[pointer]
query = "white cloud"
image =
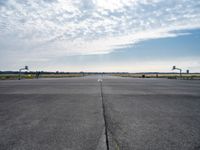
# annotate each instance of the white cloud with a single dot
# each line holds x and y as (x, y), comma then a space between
(47, 28)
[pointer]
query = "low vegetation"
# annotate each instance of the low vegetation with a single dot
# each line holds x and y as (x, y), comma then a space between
(33, 76)
(160, 75)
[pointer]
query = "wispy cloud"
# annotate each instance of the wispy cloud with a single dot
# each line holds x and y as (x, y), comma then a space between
(47, 28)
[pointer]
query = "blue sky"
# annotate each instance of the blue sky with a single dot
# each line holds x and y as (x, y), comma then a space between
(100, 35)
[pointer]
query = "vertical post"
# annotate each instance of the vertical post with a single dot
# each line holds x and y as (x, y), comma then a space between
(25, 68)
(156, 75)
(174, 67)
(19, 74)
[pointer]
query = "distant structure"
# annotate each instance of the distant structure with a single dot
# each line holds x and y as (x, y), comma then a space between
(25, 68)
(37, 74)
(83, 74)
(187, 71)
(175, 68)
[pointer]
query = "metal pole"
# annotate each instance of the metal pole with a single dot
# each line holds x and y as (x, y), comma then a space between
(25, 68)
(174, 68)
(19, 74)
(180, 71)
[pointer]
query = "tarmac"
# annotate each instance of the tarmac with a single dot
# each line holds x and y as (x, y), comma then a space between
(100, 113)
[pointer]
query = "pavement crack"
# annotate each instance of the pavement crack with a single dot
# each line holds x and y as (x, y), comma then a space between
(104, 116)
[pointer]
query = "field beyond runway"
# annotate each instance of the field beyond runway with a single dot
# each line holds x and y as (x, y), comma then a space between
(84, 114)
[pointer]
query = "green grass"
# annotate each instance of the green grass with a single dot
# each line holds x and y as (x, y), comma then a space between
(60, 75)
(132, 75)
(32, 76)
(169, 76)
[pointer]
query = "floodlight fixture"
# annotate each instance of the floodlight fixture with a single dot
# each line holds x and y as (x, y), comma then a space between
(175, 68)
(25, 68)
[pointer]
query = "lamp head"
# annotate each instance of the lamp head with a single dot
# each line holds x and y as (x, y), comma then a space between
(26, 67)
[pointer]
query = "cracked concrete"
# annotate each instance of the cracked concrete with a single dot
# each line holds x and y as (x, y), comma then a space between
(79, 114)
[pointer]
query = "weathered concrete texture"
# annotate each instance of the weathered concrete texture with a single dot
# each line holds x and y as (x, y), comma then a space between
(67, 114)
(49, 114)
(152, 114)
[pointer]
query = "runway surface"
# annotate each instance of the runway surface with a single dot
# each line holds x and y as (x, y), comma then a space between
(100, 113)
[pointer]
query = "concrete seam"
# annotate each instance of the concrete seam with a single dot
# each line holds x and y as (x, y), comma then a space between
(104, 116)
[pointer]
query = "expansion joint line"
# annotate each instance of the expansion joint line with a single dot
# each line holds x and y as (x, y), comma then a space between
(104, 116)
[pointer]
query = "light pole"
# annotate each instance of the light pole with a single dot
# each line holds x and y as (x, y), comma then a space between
(174, 68)
(25, 68)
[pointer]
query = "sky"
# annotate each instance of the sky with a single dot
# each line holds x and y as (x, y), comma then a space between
(100, 35)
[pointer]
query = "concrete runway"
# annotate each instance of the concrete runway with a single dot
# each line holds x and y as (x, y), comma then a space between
(84, 114)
